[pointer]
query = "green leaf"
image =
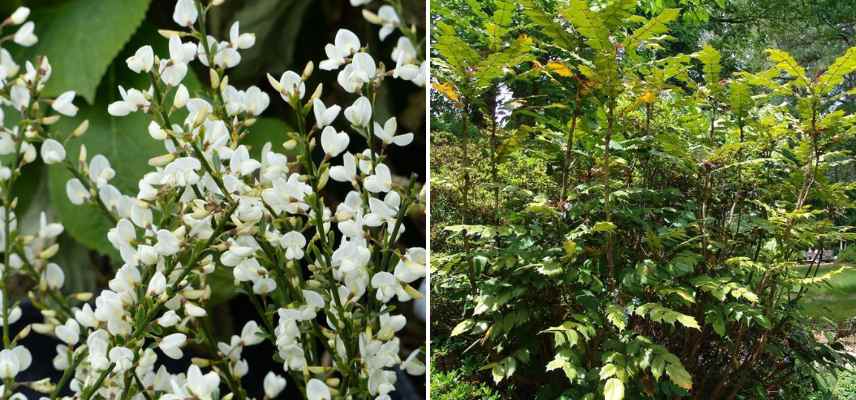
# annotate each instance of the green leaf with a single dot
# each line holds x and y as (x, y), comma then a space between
(603, 226)
(462, 327)
(547, 25)
(710, 59)
(608, 371)
(613, 390)
(786, 63)
(81, 38)
(588, 23)
(655, 26)
(679, 375)
(616, 316)
(836, 72)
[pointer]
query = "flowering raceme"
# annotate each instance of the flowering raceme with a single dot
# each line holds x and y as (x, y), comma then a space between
(326, 279)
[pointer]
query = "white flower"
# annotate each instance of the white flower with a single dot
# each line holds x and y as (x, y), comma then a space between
(52, 151)
(193, 310)
(359, 114)
(14, 312)
(181, 97)
(48, 230)
(19, 16)
(273, 384)
(168, 319)
(157, 285)
(289, 85)
(287, 196)
(123, 357)
(345, 44)
(156, 132)
(388, 287)
(171, 345)
(181, 172)
(413, 266)
(100, 171)
(360, 71)
(324, 116)
(293, 242)
(383, 211)
(53, 276)
(13, 361)
(185, 13)
(334, 143)
(412, 364)
(380, 181)
(64, 104)
(317, 390)
(389, 325)
(388, 19)
(133, 100)
(251, 334)
(202, 385)
(20, 97)
(25, 36)
(174, 70)
(85, 316)
(142, 61)
(240, 40)
(358, 3)
(241, 163)
(168, 244)
(347, 172)
(8, 68)
(386, 133)
(68, 332)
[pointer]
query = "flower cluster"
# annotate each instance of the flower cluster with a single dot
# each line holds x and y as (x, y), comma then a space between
(327, 277)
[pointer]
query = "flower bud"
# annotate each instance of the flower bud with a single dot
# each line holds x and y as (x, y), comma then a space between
(82, 296)
(200, 362)
(44, 329)
(42, 385)
(274, 83)
(372, 17)
(49, 252)
(50, 120)
(81, 129)
(290, 144)
(317, 94)
(307, 70)
(23, 333)
(215, 78)
(19, 16)
(161, 160)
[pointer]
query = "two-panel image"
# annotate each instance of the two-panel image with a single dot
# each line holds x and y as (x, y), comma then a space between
(428, 199)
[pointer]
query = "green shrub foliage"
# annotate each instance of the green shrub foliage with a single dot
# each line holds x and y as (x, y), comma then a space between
(668, 258)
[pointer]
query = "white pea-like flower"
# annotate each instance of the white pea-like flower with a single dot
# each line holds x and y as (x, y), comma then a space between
(20, 96)
(389, 325)
(25, 36)
(168, 244)
(122, 357)
(293, 242)
(347, 172)
(48, 230)
(143, 60)
(273, 385)
(133, 100)
(203, 386)
(54, 276)
(157, 285)
(317, 390)
(19, 16)
(389, 20)
(388, 287)
(360, 71)
(412, 266)
(359, 114)
(169, 319)
(380, 181)
(52, 151)
(412, 364)
(182, 95)
(64, 104)
(69, 332)
(100, 171)
(289, 85)
(171, 345)
(386, 133)
(185, 13)
(345, 44)
(13, 361)
(334, 143)
(324, 115)
(240, 40)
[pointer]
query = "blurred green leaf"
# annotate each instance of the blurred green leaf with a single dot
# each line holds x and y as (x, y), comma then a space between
(81, 38)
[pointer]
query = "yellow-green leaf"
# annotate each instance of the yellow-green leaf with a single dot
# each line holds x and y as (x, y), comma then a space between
(613, 390)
